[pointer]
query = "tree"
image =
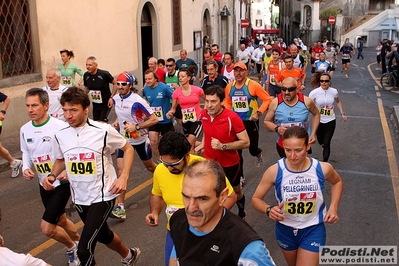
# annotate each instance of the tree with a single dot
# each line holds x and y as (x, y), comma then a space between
(331, 11)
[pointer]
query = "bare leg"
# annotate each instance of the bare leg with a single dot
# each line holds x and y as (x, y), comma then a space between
(118, 246)
(6, 154)
(69, 227)
(154, 139)
(57, 233)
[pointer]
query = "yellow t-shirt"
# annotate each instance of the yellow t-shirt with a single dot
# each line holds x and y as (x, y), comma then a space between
(169, 187)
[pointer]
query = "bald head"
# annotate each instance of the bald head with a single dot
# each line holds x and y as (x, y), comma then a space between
(289, 82)
(153, 63)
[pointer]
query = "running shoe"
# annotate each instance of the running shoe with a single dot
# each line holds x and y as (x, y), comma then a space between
(346, 76)
(259, 160)
(135, 257)
(118, 213)
(72, 255)
(15, 167)
(342, 70)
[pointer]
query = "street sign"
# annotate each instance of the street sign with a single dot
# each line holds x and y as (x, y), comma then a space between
(331, 20)
(244, 23)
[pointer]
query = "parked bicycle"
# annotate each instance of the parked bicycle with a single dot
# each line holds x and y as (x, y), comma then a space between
(389, 80)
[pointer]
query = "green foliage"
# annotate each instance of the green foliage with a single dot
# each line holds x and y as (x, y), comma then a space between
(331, 11)
(297, 16)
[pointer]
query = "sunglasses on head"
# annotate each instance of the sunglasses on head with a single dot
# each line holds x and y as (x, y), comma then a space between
(324, 80)
(290, 89)
(173, 165)
(121, 83)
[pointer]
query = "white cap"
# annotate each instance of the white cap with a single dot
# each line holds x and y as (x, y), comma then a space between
(261, 43)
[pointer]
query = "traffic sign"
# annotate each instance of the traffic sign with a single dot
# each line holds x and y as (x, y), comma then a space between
(244, 23)
(331, 20)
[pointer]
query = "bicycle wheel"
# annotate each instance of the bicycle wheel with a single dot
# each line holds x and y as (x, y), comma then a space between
(388, 81)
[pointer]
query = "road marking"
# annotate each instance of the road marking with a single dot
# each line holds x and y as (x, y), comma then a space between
(362, 173)
(393, 165)
(39, 249)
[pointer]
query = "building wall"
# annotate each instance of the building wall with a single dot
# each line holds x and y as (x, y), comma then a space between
(108, 30)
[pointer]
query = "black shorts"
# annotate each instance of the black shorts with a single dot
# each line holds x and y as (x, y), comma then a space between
(233, 174)
(143, 150)
(345, 61)
(178, 114)
(378, 61)
(162, 128)
(258, 67)
(274, 90)
(192, 128)
(54, 202)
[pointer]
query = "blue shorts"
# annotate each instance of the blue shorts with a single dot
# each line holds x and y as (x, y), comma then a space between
(143, 150)
(310, 238)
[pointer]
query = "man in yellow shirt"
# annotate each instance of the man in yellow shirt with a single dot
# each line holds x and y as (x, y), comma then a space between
(174, 153)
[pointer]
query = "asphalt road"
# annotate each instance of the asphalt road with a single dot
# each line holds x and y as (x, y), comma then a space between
(364, 152)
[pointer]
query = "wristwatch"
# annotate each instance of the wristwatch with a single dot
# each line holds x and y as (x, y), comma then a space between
(259, 113)
(137, 127)
(224, 147)
(3, 111)
(276, 129)
(268, 210)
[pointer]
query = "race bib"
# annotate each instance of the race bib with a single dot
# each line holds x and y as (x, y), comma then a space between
(54, 115)
(66, 80)
(240, 103)
(96, 96)
(85, 166)
(189, 115)
(326, 110)
(299, 124)
(272, 79)
(43, 164)
(299, 204)
(158, 112)
(170, 211)
(346, 56)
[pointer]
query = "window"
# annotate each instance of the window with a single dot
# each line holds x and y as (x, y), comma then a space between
(176, 22)
(16, 51)
(258, 23)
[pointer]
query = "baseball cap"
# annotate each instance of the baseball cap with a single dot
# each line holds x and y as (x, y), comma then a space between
(240, 65)
(261, 43)
(126, 77)
(394, 45)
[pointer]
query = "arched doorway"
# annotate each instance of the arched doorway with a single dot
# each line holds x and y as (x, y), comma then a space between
(146, 36)
(206, 25)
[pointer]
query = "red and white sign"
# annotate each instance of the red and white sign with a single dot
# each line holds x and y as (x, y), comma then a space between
(244, 23)
(331, 20)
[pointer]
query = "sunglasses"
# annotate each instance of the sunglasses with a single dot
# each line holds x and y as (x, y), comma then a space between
(168, 65)
(173, 165)
(121, 83)
(324, 80)
(290, 89)
(269, 49)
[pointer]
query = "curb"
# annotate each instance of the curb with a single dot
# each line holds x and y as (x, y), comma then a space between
(396, 115)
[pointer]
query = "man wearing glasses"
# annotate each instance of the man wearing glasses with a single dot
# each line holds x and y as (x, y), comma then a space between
(266, 58)
(174, 149)
(291, 108)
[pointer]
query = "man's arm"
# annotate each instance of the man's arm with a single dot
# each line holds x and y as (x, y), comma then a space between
(4, 108)
(114, 91)
(120, 184)
(241, 143)
(315, 119)
(268, 122)
(156, 206)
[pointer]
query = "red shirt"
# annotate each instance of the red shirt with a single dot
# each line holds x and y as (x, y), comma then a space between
(218, 56)
(223, 127)
(161, 74)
